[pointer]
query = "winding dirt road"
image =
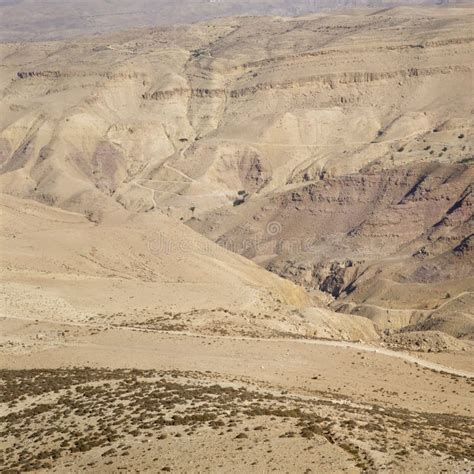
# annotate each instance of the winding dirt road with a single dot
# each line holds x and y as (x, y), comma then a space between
(321, 342)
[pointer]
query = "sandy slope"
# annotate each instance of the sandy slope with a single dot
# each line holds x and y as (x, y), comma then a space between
(165, 259)
(134, 269)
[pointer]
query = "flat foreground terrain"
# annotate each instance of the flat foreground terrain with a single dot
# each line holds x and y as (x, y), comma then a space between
(103, 400)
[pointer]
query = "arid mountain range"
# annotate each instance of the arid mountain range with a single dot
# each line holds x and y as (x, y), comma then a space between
(243, 244)
(334, 150)
(26, 20)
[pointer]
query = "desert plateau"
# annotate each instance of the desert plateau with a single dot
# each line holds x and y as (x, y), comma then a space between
(236, 236)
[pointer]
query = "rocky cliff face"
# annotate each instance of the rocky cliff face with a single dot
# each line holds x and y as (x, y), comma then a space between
(335, 231)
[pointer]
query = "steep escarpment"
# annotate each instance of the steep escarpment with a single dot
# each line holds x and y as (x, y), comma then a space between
(330, 80)
(386, 239)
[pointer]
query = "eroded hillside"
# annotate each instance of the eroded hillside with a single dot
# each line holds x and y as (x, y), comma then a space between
(334, 150)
